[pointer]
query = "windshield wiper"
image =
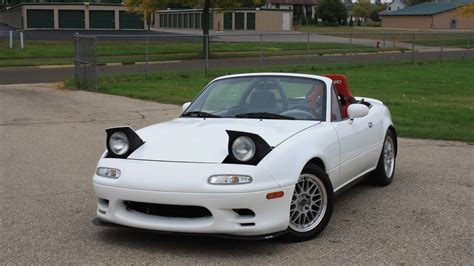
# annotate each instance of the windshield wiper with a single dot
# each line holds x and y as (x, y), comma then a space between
(199, 114)
(264, 115)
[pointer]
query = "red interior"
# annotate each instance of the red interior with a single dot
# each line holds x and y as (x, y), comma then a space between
(342, 88)
(317, 91)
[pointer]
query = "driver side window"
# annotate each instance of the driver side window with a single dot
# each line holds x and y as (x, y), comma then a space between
(335, 107)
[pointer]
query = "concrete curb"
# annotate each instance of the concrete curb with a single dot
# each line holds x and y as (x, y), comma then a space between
(108, 64)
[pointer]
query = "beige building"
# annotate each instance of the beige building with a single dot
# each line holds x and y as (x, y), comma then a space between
(237, 19)
(428, 16)
(71, 16)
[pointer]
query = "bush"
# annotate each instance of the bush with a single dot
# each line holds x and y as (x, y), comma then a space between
(344, 22)
(372, 24)
(326, 23)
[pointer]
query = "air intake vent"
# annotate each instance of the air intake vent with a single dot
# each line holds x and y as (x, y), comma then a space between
(247, 224)
(164, 210)
(244, 212)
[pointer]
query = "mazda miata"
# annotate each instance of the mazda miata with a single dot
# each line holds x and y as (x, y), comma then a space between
(254, 155)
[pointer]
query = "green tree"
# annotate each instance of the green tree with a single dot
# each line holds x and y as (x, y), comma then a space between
(206, 6)
(362, 9)
(145, 8)
(331, 11)
(466, 10)
(374, 15)
(379, 7)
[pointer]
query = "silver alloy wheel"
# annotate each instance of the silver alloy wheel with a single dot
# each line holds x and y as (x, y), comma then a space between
(309, 203)
(388, 157)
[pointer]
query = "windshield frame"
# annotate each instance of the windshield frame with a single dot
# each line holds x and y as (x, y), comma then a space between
(323, 81)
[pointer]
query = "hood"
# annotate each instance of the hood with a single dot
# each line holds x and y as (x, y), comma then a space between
(206, 140)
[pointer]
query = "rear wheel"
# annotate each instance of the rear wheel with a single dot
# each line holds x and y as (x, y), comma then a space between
(311, 205)
(383, 174)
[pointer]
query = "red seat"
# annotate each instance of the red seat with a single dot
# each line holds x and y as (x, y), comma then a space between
(342, 89)
(313, 95)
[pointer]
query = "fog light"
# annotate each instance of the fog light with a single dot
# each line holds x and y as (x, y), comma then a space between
(229, 179)
(108, 172)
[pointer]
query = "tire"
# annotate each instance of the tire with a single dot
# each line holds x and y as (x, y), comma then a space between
(315, 182)
(383, 174)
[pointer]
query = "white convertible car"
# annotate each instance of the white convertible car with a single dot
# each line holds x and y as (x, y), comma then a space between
(254, 155)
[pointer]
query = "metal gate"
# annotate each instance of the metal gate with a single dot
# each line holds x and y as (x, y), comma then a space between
(85, 62)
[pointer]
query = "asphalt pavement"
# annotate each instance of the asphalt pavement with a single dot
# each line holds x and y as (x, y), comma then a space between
(51, 139)
(69, 34)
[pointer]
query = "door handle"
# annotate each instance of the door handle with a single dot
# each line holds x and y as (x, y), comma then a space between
(371, 124)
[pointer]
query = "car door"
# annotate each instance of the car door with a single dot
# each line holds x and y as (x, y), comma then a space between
(354, 142)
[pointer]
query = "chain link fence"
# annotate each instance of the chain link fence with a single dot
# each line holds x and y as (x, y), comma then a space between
(85, 62)
(156, 53)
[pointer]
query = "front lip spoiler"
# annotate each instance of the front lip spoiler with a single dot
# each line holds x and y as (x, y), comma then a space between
(98, 222)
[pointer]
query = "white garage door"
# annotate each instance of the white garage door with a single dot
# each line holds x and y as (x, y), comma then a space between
(286, 21)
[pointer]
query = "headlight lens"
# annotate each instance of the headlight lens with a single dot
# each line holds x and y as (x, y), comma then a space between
(118, 143)
(243, 148)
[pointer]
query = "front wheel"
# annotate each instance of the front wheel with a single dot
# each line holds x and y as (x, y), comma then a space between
(383, 174)
(311, 205)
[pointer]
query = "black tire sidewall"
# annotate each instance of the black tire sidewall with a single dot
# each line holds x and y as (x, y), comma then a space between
(295, 236)
(379, 176)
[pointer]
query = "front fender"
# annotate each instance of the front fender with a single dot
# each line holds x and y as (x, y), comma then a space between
(287, 160)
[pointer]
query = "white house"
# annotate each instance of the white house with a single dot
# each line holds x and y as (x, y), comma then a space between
(396, 5)
(301, 8)
(278, 5)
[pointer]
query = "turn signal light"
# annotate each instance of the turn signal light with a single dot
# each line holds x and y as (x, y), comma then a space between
(108, 172)
(229, 179)
(275, 195)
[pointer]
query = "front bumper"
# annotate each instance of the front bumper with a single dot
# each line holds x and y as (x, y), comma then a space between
(98, 222)
(269, 216)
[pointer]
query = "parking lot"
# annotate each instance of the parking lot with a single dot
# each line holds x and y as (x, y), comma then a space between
(50, 141)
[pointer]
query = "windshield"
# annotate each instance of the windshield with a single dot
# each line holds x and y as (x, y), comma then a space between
(262, 97)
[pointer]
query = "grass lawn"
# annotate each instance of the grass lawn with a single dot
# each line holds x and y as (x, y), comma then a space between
(448, 41)
(427, 38)
(429, 100)
(345, 29)
(61, 52)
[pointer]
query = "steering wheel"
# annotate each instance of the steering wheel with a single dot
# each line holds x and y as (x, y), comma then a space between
(300, 106)
(304, 108)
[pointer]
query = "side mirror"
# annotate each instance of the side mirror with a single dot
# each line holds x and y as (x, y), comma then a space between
(357, 110)
(185, 106)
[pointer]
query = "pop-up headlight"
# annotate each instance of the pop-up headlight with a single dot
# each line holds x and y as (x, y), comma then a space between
(121, 142)
(246, 148)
